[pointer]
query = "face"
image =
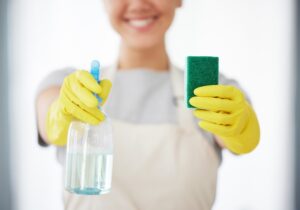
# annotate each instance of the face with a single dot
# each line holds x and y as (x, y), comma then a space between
(141, 23)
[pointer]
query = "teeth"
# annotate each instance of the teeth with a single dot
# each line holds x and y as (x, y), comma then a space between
(141, 23)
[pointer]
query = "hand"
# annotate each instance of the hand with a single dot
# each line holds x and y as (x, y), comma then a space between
(76, 100)
(224, 112)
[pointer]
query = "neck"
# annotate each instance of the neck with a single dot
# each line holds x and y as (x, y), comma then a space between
(155, 58)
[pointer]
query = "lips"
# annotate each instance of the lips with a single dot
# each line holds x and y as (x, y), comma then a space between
(141, 22)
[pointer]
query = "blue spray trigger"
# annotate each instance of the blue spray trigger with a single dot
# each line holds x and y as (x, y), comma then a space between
(95, 71)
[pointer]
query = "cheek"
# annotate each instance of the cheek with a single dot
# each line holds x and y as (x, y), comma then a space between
(114, 10)
(167, 10)
(166, 6)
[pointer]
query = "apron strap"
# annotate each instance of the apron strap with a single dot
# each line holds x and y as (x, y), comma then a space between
(185, 116)
(108, 73)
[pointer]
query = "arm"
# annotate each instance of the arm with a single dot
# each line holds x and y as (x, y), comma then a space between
(43, 103)
(219, 142)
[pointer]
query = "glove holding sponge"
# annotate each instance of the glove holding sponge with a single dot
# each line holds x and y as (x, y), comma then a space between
(222, 109)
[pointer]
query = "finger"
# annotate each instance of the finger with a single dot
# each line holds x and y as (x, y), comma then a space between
(214, 104)
(83, 94)
(220, 91)
(71, 99)
(221, 130)
(78, 113)
(87, 80)
(241, 121)
(106, 87)
(220, 118)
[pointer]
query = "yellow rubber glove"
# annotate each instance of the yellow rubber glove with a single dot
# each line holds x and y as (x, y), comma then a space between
(224, 111)
(75, 101)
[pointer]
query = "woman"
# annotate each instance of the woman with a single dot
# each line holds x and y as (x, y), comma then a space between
(163, 158)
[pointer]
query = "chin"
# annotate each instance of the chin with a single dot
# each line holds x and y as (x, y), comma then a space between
(143, 43)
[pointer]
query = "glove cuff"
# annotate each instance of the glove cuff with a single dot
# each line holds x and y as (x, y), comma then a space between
(248, 140)
(57, 124)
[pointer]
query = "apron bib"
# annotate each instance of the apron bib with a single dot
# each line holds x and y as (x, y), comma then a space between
(158, 166)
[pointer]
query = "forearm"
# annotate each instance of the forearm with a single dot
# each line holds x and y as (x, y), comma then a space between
(219, 141)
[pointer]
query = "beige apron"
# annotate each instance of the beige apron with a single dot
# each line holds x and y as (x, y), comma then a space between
(158, 166)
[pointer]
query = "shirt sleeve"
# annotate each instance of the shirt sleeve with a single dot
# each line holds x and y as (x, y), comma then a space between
(54, 78)
(223, 80)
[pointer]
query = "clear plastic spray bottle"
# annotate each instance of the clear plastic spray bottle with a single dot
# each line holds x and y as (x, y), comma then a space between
(89, 154)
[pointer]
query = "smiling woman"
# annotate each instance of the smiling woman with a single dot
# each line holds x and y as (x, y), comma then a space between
(47, 36)
(170, 156)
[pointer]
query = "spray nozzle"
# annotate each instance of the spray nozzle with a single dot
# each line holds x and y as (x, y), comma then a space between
(95, 71)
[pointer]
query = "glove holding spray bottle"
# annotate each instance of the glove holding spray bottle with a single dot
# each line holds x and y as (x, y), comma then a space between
(90, 151)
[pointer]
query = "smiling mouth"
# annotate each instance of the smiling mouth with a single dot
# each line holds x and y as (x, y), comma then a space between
(141, 23)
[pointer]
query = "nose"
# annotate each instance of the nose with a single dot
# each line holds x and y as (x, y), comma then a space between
(139, 5)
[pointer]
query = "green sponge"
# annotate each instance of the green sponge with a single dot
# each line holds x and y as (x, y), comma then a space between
(201, 71)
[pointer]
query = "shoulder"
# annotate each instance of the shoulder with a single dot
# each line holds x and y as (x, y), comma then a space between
(107, 72)
(223, 80)
(179, 71)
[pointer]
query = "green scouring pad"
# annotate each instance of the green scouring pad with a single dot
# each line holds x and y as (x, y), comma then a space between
(201, 71)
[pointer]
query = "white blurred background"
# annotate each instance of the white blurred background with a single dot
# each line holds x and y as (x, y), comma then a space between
(254, 40)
